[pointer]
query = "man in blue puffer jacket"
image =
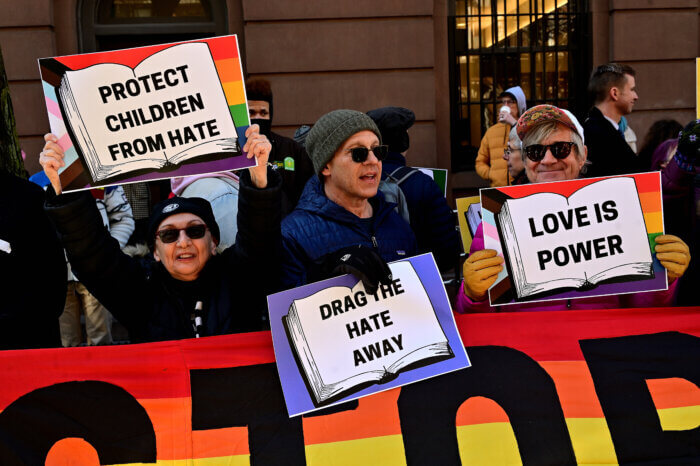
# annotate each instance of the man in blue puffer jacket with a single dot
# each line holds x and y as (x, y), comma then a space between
(342, 223)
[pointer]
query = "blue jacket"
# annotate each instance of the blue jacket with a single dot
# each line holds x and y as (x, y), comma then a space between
(319, 226)
(431, 218)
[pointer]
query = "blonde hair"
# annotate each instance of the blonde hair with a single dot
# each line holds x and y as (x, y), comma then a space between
(542, 131)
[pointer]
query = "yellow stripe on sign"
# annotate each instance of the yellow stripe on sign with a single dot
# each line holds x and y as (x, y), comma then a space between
(236, 460)
(591, 440)
(685, 418)
(654, 221)
(379, 451)
(235, 94)
(488, 444)
(161, 463)
(697, 88)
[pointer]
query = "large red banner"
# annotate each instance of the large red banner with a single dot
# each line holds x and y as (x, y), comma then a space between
(576, 387)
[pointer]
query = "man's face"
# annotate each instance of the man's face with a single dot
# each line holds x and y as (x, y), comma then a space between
(511, 103)
(627, 95)
(551, 168)
(348, 182)
(514, 158)
(184, 258)
(259, 109)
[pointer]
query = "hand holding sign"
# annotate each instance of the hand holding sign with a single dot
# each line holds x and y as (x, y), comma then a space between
(51, 160)
(257, 146)
(673, 254)
(480, 271)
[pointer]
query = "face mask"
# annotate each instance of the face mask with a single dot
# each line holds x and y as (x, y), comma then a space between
(265, 125)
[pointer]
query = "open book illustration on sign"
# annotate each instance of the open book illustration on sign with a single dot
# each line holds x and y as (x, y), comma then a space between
(383, 342)
(596, 235)
(168, 110)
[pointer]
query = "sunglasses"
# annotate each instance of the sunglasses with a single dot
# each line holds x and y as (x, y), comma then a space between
(360, 154)
(172, 234)
(560, 150)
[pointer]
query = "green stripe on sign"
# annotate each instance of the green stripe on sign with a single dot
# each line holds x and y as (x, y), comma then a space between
(652, 237)
(240, 114)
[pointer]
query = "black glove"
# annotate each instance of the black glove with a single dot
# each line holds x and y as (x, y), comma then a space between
(361, 261)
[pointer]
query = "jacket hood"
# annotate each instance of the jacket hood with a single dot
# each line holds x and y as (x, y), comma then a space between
(519, 95)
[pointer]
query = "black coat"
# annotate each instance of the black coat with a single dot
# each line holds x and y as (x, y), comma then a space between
(294, 175)
(33, 270)
(608, 151)
(432, 220)
(147, 300)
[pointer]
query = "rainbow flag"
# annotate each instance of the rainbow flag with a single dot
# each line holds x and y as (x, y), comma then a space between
(576, 387)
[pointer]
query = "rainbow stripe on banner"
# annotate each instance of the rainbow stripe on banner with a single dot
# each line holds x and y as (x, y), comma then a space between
(224, 51)
(577, 387)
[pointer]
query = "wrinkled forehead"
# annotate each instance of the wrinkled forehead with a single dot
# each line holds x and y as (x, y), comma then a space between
(180, 220)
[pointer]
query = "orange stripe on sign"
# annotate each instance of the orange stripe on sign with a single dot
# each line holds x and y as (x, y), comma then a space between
(358, 423)
(480, 410)
(228, 70)
(229, 441)
(651, 201)
(575, 388)
(171, 418)
(673, 393)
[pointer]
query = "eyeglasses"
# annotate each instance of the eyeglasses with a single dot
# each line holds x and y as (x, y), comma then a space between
(560, 150)
(508, 151)
(172, 234)
(506, 102)
(360, 154)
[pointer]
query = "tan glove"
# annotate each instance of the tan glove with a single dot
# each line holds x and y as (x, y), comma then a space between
(480, 271)
(673, 254)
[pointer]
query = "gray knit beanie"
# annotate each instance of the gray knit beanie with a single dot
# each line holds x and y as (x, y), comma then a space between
(331, 130)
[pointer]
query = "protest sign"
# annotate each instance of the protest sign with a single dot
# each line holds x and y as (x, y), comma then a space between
(147, 113)
(573, 387)
(574, 239)
(335, 342)
(469, 218)
(439, 175)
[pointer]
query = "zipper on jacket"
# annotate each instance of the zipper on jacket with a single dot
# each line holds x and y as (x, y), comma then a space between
(374, 242)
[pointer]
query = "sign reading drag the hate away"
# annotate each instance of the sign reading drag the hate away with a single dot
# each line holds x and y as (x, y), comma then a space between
(147, 113)
(575, 239)
(336, 342)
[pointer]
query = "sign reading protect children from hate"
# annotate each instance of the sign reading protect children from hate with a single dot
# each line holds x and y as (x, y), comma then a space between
(335, 342)
(575, 239)
(147, 113)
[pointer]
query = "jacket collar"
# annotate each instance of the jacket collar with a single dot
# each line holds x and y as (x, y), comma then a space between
(314, 200)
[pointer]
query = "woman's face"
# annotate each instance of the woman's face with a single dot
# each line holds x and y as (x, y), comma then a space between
(514, 159)
(185, 257)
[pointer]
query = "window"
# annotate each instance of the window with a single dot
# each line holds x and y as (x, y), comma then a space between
(496, 44)
(117, 24)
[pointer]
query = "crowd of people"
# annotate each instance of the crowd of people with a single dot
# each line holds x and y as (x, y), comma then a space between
(325, 204)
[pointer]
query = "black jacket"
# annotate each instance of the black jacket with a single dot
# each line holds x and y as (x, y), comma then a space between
(33, 268)
(147, 300)
(432, 220)
(294, 165)
(608, 151)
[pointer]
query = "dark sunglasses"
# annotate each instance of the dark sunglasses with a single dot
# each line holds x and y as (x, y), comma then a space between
(172, 234)
(560, 150)
(360, 154)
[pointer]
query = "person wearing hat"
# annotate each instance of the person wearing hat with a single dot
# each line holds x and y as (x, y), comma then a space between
(189, 290)
(554, 150)
(342, 223)
(489, 160)
(287, 155)
(430, 217)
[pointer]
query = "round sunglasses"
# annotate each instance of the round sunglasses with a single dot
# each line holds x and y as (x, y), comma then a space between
(170, 235)
(560, 150)
(360, 154)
